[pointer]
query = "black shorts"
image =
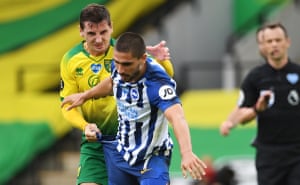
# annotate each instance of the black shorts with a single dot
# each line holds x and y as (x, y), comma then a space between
(277, 166)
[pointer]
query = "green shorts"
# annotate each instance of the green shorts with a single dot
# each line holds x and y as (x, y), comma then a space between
(92, 167)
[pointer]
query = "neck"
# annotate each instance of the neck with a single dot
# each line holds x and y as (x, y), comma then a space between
(278, 64)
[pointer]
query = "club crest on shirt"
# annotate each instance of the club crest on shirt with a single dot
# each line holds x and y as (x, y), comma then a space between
(293, 78)
(107, 65)
(96, 68)
(166, 92)
(134, 94)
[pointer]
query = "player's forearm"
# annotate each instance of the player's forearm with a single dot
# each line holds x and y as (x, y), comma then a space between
(241, 115)
(247, 114)
(74, 117)
(175, 116)
(183, 137)
(100, 90)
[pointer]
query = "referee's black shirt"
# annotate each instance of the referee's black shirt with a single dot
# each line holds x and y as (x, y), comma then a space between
(280, 123)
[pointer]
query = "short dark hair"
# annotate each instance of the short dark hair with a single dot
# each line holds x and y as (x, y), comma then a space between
(94, 13)
(131, 42)
(275, 25)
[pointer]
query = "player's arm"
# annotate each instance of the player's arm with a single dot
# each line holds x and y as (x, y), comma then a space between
(69, 85)
(263, 101)
(102, 89)
(74, 117)
(162, 55)
(240, 115)
(168, 66)
(190, 162)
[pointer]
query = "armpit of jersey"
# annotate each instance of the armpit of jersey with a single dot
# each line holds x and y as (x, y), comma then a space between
(166, 92)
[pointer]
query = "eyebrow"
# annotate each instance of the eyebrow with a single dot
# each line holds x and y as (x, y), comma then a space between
(127, 63)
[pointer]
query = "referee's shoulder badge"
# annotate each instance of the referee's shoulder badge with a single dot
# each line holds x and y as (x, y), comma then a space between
(166, 92)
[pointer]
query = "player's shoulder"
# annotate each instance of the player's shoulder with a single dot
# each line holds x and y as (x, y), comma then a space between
(154, 69)
(156, 76)
(293, 65)
(73, 52)
(262, 68)
(257, 73)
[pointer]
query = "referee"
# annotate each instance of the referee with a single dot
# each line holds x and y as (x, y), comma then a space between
(270, 92)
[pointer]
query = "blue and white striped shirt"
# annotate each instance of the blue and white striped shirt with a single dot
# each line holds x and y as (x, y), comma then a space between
(143, 128)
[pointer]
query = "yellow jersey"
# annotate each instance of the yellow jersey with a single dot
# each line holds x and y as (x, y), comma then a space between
(81, 71)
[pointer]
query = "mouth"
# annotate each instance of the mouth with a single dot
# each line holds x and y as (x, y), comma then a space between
(125, 77)
(98, 46)
(274, 52)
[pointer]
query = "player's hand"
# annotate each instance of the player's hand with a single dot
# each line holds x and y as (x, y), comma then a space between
(160, 51)
(73, 100)
(192, 165)
(90, 132)
(225, 128)
(263, 101)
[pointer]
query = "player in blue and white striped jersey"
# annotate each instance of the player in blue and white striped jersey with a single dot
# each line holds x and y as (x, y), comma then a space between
(146, 101)
(143, 128)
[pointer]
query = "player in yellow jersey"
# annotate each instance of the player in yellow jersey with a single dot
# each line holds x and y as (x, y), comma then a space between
(84, 66)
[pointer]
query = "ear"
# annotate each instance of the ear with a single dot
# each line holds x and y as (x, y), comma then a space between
(111, 26)
(80, 31)
(144, 57)
(288, 42)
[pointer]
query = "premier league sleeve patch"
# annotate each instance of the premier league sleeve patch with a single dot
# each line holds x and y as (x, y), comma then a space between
(62, 84)
(166, 92)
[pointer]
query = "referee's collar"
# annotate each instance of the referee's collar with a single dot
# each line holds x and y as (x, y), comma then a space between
(286, 66)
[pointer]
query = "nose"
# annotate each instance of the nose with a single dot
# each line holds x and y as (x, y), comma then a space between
(98, 38)
(120, 69)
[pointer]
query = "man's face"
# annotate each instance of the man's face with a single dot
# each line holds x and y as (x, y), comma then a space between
(130, 68)
(276, 44)
(97, 36)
